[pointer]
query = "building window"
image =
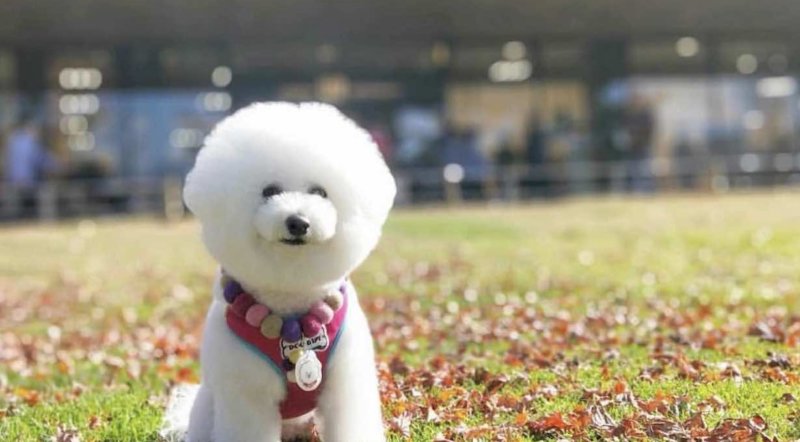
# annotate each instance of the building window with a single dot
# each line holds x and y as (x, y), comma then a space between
(562, 58)
(685, 54)
(8, 70)
(755, 58)
(192, 67)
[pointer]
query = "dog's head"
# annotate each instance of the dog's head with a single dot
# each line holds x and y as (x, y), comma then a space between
(289, 196)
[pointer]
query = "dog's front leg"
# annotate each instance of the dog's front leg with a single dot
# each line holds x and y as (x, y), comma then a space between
(350, 405)
(237, 419)
(201, 419)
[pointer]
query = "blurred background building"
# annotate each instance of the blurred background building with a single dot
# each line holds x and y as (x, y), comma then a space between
(103, 105)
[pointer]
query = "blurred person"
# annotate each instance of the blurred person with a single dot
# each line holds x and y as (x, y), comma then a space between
(638, 126)
(536, 157)
(607, 148)
(561, 147)
(383, 138)
(685, 161)
(504, 178)
(460, 146)
(27, 162)
(418, 131)
(505, 155)
(535, 142)
(580, 168)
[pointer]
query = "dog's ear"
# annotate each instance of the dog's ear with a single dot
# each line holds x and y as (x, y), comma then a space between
(201, 193)
(378, 188)
(382, 189)
(193, 195)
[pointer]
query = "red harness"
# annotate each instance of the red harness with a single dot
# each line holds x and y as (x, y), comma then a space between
(297, 401)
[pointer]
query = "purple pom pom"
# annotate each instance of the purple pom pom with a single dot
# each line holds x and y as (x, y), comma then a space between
(291, 330)
(231, 291)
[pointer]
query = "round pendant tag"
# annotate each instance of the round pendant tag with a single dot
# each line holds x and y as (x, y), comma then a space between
(308, 371)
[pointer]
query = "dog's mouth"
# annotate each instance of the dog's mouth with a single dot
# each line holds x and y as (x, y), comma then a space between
(293, 241)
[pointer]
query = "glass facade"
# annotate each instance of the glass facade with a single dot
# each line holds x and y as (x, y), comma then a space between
(144, 110)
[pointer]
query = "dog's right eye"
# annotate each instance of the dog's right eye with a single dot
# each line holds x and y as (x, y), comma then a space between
(271, 190)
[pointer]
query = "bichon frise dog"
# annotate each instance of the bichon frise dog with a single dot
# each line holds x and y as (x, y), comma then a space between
(291, 199)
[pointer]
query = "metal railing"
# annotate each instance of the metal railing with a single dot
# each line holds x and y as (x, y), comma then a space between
(708, 173)
(52, 200)
(452, 184)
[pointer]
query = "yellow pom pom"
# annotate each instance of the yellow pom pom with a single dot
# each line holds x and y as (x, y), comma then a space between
(294, 355)
(271, 326)
(335, 300)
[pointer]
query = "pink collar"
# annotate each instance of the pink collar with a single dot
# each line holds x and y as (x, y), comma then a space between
(296, 346)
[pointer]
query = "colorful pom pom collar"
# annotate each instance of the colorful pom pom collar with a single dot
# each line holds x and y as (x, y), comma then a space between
(296, 346)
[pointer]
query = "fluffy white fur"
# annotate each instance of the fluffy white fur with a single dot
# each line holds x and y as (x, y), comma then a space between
(295, 147)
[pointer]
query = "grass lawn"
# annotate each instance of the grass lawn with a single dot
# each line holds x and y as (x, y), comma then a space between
(674, 317)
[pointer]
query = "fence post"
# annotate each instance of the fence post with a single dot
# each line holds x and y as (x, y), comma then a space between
(138, 189)
(47, 202)
(173, 199)
(511, 190)
(452, 193)
(11, 202)
(453, 175)
(619, 176)
(720, 176)
(403, 196)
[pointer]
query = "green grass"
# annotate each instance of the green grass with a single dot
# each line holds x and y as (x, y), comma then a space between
(100, 318)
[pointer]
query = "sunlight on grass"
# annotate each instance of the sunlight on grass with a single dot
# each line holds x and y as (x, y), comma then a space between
(495, 315)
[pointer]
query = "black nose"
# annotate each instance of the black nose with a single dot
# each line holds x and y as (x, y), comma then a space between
(297, 225)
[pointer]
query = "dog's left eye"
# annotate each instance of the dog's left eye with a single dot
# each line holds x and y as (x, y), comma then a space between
(318, 190)
(271, 190)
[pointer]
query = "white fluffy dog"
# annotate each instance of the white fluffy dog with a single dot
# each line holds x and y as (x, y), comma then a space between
(291, 199)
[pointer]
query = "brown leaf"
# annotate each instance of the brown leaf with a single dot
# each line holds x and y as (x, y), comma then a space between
(695, 422)
(495, 384)
(767, 330)
(401, 424)
(731, 371)
(432, 416)
(30, 397)
(620, 386)
(630, 428)
(521, 418)
(94, 421)
(397, 366)
(186, 375)
(663, 428)
(553, 422)
(600, 418)
(64, 434)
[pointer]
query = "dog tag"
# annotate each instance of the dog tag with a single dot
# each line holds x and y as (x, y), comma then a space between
(308, 371)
